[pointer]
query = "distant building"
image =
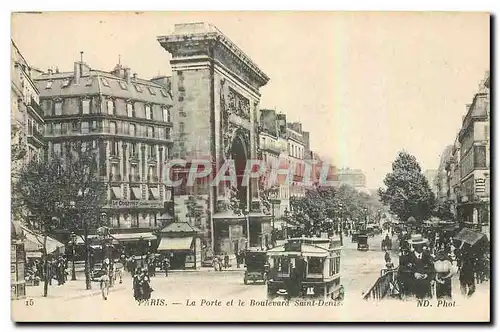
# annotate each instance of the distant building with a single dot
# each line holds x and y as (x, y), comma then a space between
(430, 175)
(352, 177)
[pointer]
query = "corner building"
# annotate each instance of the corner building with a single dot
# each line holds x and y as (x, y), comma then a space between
(127, 121)
(215, 88)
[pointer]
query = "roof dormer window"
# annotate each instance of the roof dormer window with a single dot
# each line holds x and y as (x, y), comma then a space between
(151, 91)
(49, 85)
(163, 93)
(104, 81)
(137, 88)
(65, 83)
(123, 85)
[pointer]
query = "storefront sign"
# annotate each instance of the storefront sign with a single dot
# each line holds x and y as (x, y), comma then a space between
(480, 185)
(122, 204)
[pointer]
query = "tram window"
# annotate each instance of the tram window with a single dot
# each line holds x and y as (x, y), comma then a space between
(284, 266)
(331, 267)
(315, 265)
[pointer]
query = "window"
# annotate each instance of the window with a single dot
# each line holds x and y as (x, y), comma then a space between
(166, 115)
(114, 148)
(479, 156)
(123, 85)
(151, 91)
(85, 127)
(111, 107)
(130, 110)
(65, 83)
(104, 81)
(181, 127)
(75, 126)
(30, 127)
(163, 93)
(133, 149)
(58, 108)
(152, 152)
(149, 114)
(112, 127)
(167, 133)
(132, 129)
(57, 128)
(57, 149)
(95, 125)
(89, 81)
(137, 88)
(48, 85)
(151, 131)
(86, 106)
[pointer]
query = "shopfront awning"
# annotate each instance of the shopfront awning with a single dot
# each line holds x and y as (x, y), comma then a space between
(136, 192)
(133, 237)
(469, 236)
(175, 243)
(34, 242)
(117, 192)
(79, 239)
(154, 192)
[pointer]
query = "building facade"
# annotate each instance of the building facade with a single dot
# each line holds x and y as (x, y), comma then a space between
(26, 114)
(474, 138)
(296, 156)
(127, 121)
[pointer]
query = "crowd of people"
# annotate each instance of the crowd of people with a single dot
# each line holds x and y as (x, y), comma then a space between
(428, 260)
(56, 271)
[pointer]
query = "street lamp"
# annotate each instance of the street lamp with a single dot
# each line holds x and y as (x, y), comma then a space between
(247, 221)
(285, 235)
(73, 245)
(273, 195)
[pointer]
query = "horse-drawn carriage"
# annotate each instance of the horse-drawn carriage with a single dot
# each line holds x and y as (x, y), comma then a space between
(305, 267)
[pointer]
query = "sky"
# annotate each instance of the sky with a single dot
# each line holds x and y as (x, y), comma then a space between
(366, 85)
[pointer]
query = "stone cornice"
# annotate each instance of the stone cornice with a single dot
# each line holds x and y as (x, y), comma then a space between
(201, 42)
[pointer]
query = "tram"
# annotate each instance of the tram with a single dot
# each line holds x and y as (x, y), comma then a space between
(305, 267)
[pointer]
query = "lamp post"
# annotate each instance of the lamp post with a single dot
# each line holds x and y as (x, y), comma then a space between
(247, 221)
(273, 195)
(73, 245)
(285, 233)
(340, 226)
(366, 217)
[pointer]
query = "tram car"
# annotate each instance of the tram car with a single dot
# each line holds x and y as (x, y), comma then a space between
(305, 268)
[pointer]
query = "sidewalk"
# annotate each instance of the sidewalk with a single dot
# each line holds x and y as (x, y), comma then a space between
(206, 269)
(71, 290)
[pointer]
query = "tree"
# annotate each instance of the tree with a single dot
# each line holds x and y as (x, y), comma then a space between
(62, 193)
(195, 210)
(442, 210)
(407, 191)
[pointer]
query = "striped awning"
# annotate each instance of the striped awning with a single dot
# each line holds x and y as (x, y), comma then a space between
(175, 243)
(134, 237)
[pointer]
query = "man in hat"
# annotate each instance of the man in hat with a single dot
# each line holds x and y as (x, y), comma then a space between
(421, 267)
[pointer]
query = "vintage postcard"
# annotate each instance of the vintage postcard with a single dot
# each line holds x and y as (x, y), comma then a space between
(250, 167)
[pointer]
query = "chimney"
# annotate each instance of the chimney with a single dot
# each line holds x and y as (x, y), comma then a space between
(127, 75)
(135, 76)
(77, 73)
(50, 72)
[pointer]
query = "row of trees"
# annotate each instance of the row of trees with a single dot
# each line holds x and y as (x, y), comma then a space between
(322, 208)
(407, 192)
(63, 194)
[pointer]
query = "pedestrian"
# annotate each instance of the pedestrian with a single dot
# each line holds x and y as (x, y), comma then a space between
(466, 267)
(444, 271)
(422, 268)
(166, 265)
(145, 285)
(226, 261)
(136, 287)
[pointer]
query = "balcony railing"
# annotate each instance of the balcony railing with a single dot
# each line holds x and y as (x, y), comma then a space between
(134, 178)
(54, 132)
(115, 177)
(36, 107)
